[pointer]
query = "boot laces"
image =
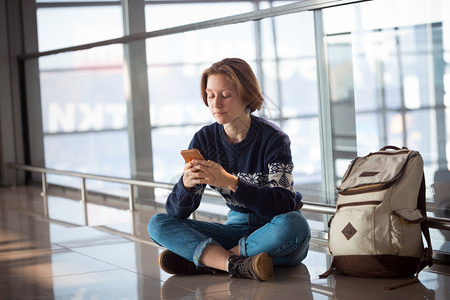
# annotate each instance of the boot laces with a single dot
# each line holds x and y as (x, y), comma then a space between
(242, 267)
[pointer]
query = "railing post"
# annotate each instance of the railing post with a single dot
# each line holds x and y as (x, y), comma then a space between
(44, 194)
(83, 200)
(131, 198)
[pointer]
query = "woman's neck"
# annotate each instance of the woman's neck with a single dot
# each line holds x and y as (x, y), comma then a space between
(237, 129)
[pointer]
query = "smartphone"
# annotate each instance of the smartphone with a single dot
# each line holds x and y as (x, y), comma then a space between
(191, 154)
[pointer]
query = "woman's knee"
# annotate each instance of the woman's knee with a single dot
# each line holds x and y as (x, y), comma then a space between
(293, 219)
(156, 224)
(297, 236)
(294, 226)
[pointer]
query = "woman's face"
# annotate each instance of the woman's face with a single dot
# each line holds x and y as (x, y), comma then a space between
(223, 99)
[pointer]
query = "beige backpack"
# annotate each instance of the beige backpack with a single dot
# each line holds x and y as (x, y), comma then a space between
(380, 217)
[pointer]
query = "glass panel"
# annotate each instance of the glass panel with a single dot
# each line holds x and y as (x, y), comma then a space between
(203, 47)
(181, 99)
(156, 15)
(268, 4)
(71, 1)
(70, 26)
(84, 115)
(167, 143)
(305, 147)
(398, 67)
(291, 65)
(368, 125)
(290, 90)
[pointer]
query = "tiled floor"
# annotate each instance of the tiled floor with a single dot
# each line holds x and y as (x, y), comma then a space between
(113, 258)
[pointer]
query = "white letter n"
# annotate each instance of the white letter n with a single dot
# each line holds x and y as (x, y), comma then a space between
(60, 119)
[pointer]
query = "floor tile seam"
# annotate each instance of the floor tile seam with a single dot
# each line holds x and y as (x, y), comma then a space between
(117, 240)
(127, 237)
(250, 282)
(217, 294)
(27, 235)
(103, 261)
(130, 237)
(23, 248)
(89, 272)
(163, 282)
(39, 217)
(58, 246)
(316, 289)
(14, 230)
(237, 289)
(30, 251)
(68, 245)
(195, 292)
(146, 275)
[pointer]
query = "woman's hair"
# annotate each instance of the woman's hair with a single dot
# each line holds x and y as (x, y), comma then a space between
(241, 75)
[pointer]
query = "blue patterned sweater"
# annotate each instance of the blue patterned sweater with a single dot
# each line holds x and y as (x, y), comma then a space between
(262, 162)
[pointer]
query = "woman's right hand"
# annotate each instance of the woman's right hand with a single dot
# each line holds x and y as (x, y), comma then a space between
(190, 174)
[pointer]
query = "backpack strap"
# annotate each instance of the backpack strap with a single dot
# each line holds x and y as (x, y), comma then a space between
(331, 269)
(328, 272)
(427, 257)
(393, 148)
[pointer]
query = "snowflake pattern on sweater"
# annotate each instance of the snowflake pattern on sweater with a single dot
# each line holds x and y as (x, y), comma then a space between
(280, 175)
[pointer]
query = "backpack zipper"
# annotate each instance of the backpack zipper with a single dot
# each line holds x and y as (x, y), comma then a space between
(358, 204)
(372, 187)
(368, 188)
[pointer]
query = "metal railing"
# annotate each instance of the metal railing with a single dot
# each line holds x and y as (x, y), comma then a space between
(83, 190)
(434, 222)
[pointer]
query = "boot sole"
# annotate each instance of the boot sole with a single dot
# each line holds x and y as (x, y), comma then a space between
(172, 263)
(163, 256)
(263, 266)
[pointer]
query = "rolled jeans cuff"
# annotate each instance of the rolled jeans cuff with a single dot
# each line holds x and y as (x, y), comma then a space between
(199, 250)
(242, 246)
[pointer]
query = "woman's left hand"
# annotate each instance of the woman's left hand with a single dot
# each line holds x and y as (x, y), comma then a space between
(214, 174)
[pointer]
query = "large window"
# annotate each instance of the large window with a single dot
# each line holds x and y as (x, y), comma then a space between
(60, 27)
(388, 82)
(82, 94)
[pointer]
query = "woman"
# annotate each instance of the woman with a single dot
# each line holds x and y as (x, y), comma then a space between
(248, 161)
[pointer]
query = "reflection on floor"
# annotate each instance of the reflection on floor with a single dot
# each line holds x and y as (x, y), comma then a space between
(113, 258)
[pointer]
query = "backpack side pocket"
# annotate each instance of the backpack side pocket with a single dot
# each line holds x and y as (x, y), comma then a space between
(406, 236)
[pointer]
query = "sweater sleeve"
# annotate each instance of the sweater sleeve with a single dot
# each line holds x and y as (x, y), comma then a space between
(278, 195)
(181, 203)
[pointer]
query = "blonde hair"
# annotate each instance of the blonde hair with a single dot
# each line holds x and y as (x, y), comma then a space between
(241, 75)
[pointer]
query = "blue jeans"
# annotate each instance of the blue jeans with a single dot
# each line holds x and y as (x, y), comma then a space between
(285, 237)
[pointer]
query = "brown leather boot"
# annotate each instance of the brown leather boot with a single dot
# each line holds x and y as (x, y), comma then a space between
(259, 267)
(172, 263)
